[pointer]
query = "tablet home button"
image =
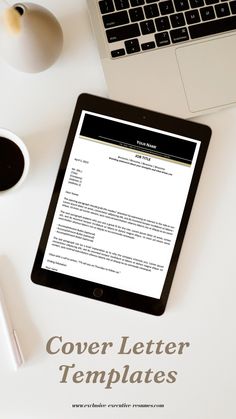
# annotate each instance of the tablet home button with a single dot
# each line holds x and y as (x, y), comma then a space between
(98, 292)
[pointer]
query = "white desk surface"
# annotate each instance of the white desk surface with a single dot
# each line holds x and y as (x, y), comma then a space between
(201, 307)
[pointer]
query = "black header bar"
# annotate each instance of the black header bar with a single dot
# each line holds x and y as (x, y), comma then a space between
(138, 139)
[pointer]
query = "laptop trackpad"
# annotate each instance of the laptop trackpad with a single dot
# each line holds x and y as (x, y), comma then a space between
(208, 72)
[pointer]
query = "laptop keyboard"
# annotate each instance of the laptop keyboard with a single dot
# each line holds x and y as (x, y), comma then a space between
(133, 26)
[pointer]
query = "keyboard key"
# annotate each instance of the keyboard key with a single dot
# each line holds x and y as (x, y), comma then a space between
(136, 14)
(181, 5)
(166, 7)
(132, 46)
(233, 6)
(115, 19)
(123, 32)
(151, 1)
(177, 20)
(179, 35)
(135, 3)
(151, 11)
(192, 16)
(147, 27)
(212, 1)
(121, 4)
(162, 39)
(162, 23)
(117, 52)
(213, 27)
(106, 6)
(148, 45)
(196, 3)
(222, 10)
(207, 13)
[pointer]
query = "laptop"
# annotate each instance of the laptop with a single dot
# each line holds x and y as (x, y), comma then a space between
(172, 56)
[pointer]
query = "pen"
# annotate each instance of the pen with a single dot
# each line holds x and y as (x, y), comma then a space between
(10, 333)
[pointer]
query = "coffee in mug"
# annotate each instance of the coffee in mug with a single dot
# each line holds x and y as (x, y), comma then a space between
(14, 160)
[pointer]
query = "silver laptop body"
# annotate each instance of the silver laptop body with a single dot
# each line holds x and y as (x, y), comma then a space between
(167, 55)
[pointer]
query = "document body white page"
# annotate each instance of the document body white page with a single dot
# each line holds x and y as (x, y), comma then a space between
(118, 214)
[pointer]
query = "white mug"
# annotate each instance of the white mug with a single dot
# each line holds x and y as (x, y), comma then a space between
(12, 150)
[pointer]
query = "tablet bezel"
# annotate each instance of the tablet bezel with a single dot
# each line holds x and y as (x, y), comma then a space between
(107, 107)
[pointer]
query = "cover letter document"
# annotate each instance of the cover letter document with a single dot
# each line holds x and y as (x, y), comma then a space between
(121, 204)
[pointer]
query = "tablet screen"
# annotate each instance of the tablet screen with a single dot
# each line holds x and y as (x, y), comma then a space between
(121, 204)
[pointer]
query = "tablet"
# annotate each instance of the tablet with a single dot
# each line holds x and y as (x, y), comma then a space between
(121, 204)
